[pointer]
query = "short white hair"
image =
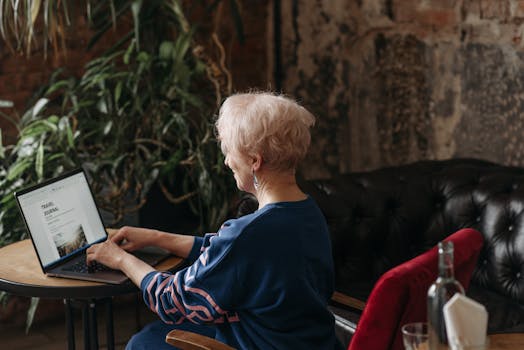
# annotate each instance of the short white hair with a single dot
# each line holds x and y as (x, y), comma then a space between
(274, 126)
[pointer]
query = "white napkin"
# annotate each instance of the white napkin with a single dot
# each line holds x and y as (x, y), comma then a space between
(466, 322)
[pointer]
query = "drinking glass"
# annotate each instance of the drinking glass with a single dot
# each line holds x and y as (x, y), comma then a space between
(415, 336)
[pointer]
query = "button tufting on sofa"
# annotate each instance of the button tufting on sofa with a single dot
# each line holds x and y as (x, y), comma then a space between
(382, 218)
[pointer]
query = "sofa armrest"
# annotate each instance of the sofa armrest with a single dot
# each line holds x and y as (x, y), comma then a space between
(347, 311)
(185, 340)
(348, 301)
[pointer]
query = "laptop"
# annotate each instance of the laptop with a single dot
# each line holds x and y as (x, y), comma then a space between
(63, 220)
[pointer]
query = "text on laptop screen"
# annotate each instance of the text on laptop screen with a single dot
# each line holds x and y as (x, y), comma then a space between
(62, 217)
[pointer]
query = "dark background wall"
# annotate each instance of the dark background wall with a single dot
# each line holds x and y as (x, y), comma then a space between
(390, 81)
(394, 81)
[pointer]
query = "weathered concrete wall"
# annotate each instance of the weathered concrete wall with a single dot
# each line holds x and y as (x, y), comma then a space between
(394, 81)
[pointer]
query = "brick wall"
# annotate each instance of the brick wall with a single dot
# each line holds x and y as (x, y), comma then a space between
(21, 76)
(250, 62)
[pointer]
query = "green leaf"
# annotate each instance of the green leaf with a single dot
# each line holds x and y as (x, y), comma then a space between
(70, 138)
(118, 161)
(39, 161)
(97, 63)
(175, 158)
(4, 297)
(2, 22)
(130, 48)
(6, 199)
(66, 12)
(118, 92)
(39, 105)
(17, 169)
(165, 52)
(135, 9)
(102, 106)
(108, 127)
(6, 104)
(143, 57)
(65, 127)
(2, 148)
(104, 27)
(181, 46)
(37, 128)
(56, 156)
(113, 13)
(53, 119)
(178, 13)
(150, 180)
(31, 313)
(58, 85)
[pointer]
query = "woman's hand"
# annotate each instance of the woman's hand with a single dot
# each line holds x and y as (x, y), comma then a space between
(133, 238)
(107, 253)
(113, 256)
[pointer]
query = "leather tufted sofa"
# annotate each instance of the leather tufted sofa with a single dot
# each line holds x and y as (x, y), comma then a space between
(381, 218)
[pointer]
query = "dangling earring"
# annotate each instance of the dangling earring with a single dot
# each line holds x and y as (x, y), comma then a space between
(255, 180)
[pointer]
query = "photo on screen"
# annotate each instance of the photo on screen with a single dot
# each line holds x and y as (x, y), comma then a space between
(69, 239)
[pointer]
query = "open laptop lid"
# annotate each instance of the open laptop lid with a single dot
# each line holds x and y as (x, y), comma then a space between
(61, 217)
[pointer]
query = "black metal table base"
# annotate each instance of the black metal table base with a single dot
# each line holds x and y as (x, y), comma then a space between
(89, 322)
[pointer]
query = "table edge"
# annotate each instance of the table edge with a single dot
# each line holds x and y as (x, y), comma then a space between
(67, 292)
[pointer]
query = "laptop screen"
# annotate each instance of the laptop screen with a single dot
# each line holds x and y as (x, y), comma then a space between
(61, 216)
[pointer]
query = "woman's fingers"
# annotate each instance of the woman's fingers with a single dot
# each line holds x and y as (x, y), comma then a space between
(90, 253)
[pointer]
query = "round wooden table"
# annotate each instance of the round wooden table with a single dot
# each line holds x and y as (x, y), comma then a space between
(506, 341)
(21, 274)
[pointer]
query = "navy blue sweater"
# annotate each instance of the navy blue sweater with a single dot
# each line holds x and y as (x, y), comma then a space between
(263, 280)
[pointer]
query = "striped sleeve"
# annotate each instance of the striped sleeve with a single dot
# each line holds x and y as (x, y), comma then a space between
(196, 249)
(179, 297)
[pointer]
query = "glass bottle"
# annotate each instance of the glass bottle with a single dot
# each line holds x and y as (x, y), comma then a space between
(438, 295)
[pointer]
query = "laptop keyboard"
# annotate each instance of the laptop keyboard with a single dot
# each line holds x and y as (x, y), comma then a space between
(82, 267)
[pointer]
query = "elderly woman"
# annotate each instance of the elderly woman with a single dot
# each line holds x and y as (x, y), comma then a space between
(262, 281)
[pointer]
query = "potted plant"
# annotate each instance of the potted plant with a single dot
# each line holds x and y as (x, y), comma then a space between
(141, 114)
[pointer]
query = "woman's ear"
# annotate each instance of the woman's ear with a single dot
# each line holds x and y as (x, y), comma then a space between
(256, 160)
